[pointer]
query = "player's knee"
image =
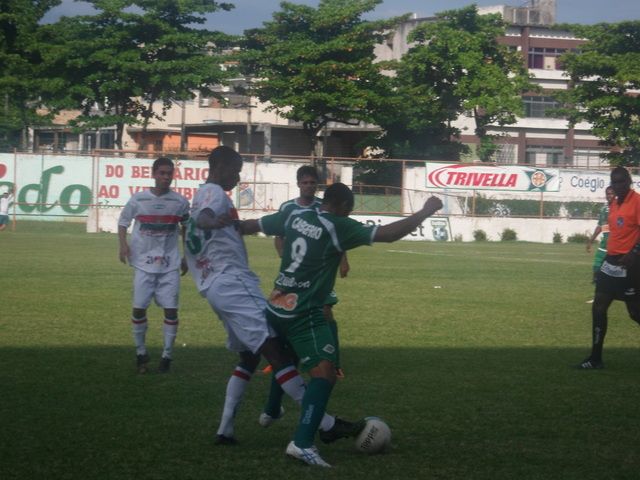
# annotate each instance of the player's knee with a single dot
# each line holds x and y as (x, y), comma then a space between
(326, 370)
(171, 314)
(249, 361)
(139, 313)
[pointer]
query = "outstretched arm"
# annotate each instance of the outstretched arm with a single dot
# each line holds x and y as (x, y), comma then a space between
(207, 220)
(396, 230)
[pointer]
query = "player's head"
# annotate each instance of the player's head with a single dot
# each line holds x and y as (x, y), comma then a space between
(162, 172)
(307, 177)
(225, 165)
(609, 194)
(620, 182)
(338, 199)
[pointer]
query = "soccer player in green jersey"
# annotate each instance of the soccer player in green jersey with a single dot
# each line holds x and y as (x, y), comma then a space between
(602, 227)
(314, 242)
(307, 179)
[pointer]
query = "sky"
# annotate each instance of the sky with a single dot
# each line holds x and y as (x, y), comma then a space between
(252, 13)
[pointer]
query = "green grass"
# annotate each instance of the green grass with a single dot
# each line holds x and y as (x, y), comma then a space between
(474, 377)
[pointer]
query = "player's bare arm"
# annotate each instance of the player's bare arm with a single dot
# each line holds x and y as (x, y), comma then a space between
(207, 220)
(396, 230)
(593, 237)
(124, 246)
(344, 266)
(249, 227)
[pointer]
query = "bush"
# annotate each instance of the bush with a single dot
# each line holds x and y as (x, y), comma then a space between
(557, 237)
(508, 235)
(578, 238)
(479, 236)
(457, 238)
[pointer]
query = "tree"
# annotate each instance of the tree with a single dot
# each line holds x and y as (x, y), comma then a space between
(19, 58)
(115, 64)
(316, 65)
(605, 79)
(455, 66)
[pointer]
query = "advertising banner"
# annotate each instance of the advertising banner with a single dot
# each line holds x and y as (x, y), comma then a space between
(489, 177)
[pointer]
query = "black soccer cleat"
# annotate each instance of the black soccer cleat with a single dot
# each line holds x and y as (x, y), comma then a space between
(341, 429)
(589, 364)
(224, 440)
(165, 365)
(142, 363)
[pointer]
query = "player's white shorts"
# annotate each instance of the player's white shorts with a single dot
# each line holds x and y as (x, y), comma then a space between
(163, 287)
(239, 303)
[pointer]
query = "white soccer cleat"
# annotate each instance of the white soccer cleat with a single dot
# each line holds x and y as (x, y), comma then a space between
(310, 455)
(266, 420)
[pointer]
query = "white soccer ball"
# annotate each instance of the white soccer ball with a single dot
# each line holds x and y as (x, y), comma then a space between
(375, 437)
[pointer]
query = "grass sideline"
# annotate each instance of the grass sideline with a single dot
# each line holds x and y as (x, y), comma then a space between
(465, 349)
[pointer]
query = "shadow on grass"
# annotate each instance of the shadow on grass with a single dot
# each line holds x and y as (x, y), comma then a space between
(454, 413)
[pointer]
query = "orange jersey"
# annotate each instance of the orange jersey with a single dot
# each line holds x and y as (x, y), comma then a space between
(624, 224)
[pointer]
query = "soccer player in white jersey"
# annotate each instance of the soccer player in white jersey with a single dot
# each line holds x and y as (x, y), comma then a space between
(314, 243)
(218, 262)
(6, 199)
(159, 215)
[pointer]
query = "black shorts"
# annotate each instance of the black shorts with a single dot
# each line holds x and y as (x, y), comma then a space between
(611, 281)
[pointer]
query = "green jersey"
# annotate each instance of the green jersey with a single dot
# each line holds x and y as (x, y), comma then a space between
(291, 205)
(314, 242)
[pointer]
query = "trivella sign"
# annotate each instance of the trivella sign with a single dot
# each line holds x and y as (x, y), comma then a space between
(489, 177)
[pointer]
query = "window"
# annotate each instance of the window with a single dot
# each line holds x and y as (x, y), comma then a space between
(545, 58)
(545, 156)
(537, 107)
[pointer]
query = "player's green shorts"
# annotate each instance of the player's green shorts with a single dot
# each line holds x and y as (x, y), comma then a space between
(309, 336)
(598, 259)
(4, 220)
(332, 298)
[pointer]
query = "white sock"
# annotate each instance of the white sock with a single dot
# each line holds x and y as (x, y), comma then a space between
(293, 385)
(236, 386)
(169, 330)
(139, 329)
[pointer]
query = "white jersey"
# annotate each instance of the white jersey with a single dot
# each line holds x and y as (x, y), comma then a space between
(220, 250)
(154, 239)
(4, 204)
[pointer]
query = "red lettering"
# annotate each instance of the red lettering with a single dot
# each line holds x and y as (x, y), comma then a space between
(137, 189)
(114, 171)
(112, 191)
(140, 172)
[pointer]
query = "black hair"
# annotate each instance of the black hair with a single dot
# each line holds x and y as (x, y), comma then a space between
(223, 154)
(621, 171)
(337, 194)
(160, 162)
(307, 171)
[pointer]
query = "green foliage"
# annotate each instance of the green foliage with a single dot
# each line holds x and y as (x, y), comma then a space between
(19, 66)
(455, 66)
(557, 237)
(604, 73)
(479, 235)
(128, 55)
(578, 238)
(315, 65)
(508, 235)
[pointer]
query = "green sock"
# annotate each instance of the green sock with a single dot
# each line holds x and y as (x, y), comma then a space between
(274, 401)
(333, 326)
(314, 405)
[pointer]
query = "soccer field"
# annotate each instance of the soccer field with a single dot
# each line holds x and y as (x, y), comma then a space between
(465, 349)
